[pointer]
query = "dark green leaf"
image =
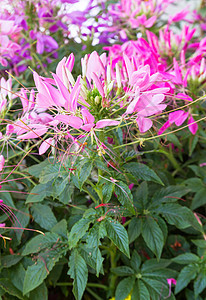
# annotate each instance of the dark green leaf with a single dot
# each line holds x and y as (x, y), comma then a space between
(140, 292)
(39, 192)
(157, 286)
(134, 229)
(122, 271)
(186, 275)
(153, 236)
(36, 169)
(85, 170)
(60, 228)
(8, 287)
(200, 283)
(43, 216)
(118, 235)
(141, 196)
(135, 261)
(153, 264)
(124, 288)
(10, 260)
(168, 194)
(107, 191)
(124, 196)
(186, 258)
(200, 243)
(195, 184)
(199, 199)
(78, 271)
(38, 293)
(40, 242)
(49, 173)
(141, 171)
(66, 194)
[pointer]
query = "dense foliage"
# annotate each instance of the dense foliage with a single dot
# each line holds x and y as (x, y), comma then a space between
(103, 144)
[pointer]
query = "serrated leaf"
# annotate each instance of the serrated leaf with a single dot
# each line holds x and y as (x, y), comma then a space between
(39, 192)
(140, 292)
(8, 287)
(8, 261)
(107, 191)
(200, 243)
(200, 283)
(89, 258)
(122, 271)
(186, 258)
(195, 184)
(168, 194)
(36, 169)
(124, 288)
(141, 196)
(177, 215)
(35, 274)
(40, 292)
(157, 286)
(118, 235)
(192, 143)
(153, 264)
(153, 236)
(187, 274)
(49, 173)
(135, 261)
(78, 231)
(40, 242)
(43, 216)
(16, 275)
(124, 196)
(85, 170)
(79, 272)
(141, 171)
(134, 229)
(60, 228)
(199, 199)
(66, 194)
(23, 218)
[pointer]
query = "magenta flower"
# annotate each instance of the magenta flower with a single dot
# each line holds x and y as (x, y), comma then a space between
(2, 161)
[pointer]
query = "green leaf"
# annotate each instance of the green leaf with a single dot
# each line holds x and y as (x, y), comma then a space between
(141, 171)
(186, 258)
(187, 274)
(79, 272)
(40, 292)
(124, 288)
(36, 169)
(134, 229)
(200, 243)
(140, 292)
(163, 226)
(97, 232)
(39, 192)
(135, 261)
(122, 271)
(156, 286)
(141, 196)
(153, 236)
(195, 184)
(118, 235)
(90, 258)
(200, 283)
(192, 143)
(10, 260)
(160, 274)
(35, 274)
(199, 199)
(177, 215)
(66, 194)
(78, 231)
(153, 264)
(168, 194)
(23, 218)
(43, 216)
(40, 242)
(124, 196)
(60, 228)
(85, 170)
(49, 173)
(107, 191)
(8, 287)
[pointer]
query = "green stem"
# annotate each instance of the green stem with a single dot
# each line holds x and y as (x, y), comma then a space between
(93, 294)
(112, 285)
(95, 285)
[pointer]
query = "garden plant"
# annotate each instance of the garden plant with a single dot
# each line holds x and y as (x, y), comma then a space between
(102, 150)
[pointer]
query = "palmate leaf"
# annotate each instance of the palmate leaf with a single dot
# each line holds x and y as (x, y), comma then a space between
(141, 171)
(124, 288)
(79, 272)
(118, 235)
(140, 292)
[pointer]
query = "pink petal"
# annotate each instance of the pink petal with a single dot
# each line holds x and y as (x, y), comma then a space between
(144, 124)
(73, 121)
(45, 146)
(87, 116)
(106, 122)
(193, 127)
(34, 133)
